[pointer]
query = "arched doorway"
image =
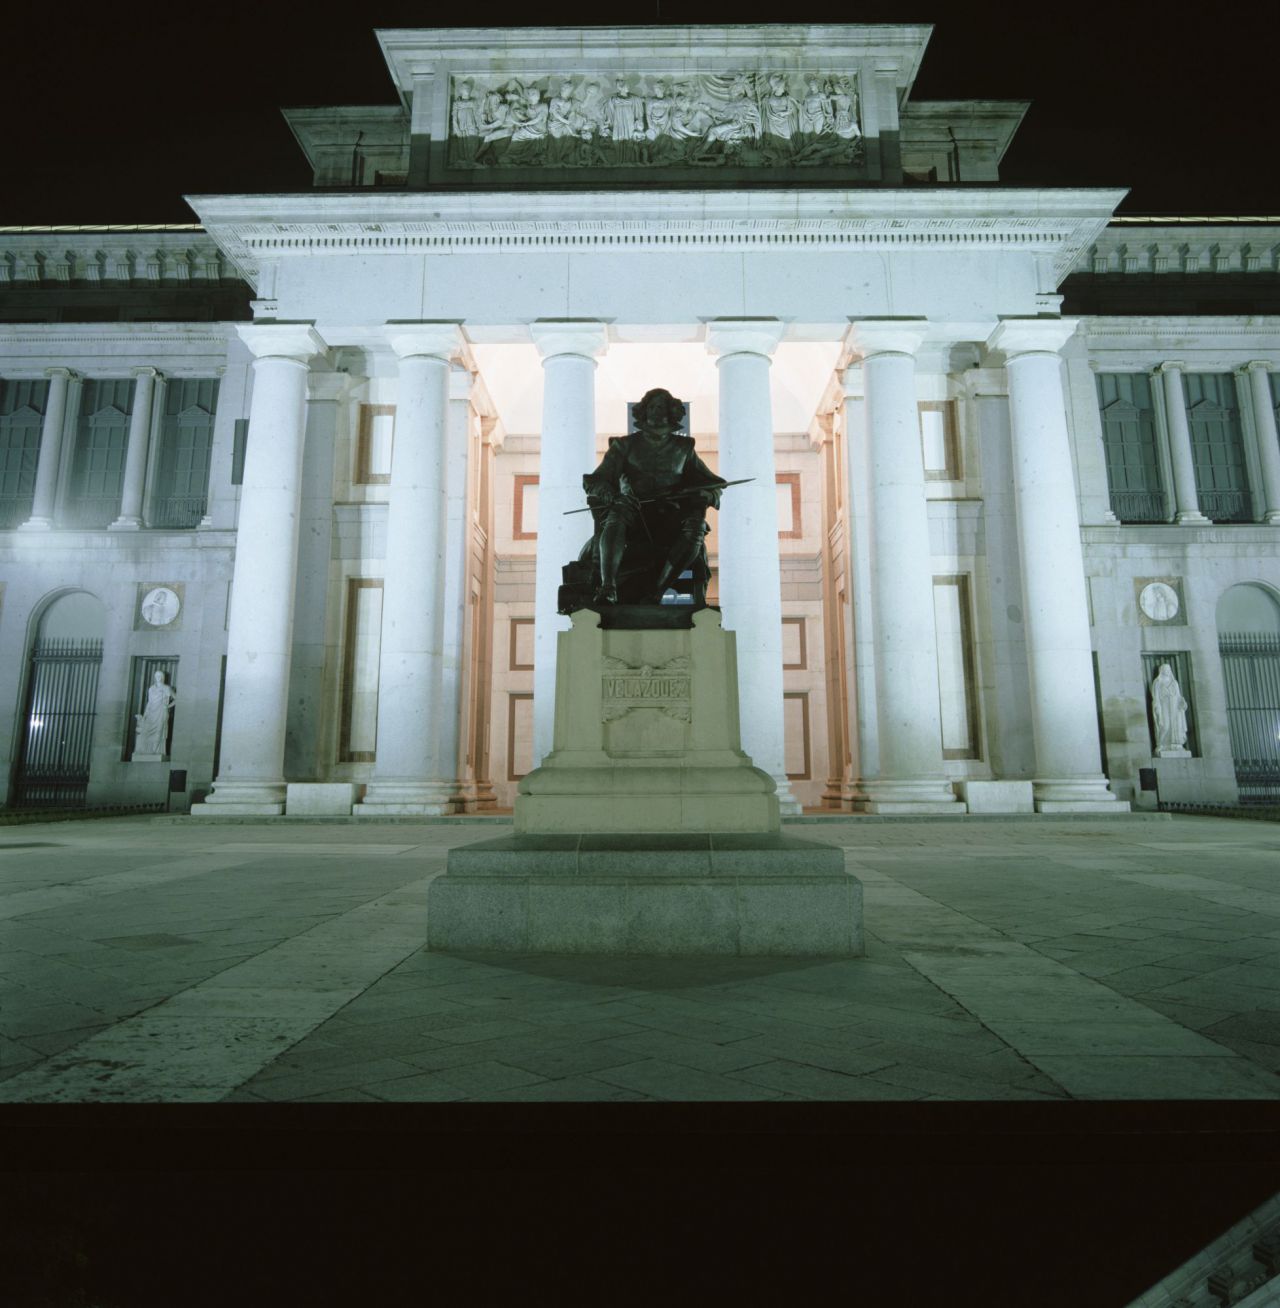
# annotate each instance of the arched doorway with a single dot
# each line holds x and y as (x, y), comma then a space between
(61, 701)
(1249, 642)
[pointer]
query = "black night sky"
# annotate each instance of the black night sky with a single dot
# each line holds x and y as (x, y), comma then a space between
(117, 111)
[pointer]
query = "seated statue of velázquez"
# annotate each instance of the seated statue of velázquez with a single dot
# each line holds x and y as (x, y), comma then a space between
(647, 533)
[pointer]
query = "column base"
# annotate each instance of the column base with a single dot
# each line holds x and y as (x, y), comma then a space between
(906, 797)
(406, 799)
(37, 524)
(243, 799)
(1272, 518)
(1077, 795)
(1196, 519)
(788, 804)
(125, 524)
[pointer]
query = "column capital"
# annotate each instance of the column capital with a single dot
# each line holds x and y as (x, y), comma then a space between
(1015, 336)
(871, 336)
(441, 339)
(1259, 365)
(65, 373)
(1171, 365)
(146, 371)
(282, 340)
(727, 336)
(583, 336)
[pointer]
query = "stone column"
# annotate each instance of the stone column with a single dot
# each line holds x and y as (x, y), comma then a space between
(747, 529)
(910, 777)
(410, 772)
(135, 459)
(457, 557)
(260, 629)
(1264, 424)
(569, 348)
(1064, 717)
(55, 418)
(1184, 470)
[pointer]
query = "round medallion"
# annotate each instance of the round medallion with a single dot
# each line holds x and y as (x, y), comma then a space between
(160, 606)
(1159, 601)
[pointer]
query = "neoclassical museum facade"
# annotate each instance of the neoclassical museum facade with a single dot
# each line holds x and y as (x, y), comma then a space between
(308, 462)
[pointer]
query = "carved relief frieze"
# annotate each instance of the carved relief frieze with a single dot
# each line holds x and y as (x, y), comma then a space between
(651, 120)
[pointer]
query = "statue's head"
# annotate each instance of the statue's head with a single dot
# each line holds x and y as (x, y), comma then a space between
(158, 678)
(659, 410)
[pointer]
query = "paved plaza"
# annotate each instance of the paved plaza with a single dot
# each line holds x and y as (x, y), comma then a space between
(146, 959)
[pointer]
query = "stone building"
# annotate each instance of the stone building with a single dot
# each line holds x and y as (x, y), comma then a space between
(310, 459)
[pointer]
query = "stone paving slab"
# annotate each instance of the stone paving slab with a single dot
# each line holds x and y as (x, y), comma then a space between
(1040, 959)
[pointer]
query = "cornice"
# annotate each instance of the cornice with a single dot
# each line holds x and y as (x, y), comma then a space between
(1189, 249)
(413, 54)
(251, 230)
(97, 335)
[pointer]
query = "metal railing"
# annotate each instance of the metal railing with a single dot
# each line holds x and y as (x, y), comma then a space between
(1139, 506)
(58, 732)
(14, 510)
(90, 511)
(177, 511)
(1251, 670)
(1226, 505)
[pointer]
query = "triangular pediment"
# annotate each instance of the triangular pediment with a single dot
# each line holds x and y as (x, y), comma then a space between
(23, 414)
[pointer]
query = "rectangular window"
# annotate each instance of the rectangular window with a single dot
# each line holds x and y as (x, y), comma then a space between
(1217, 447)
(362, 648)
(957, 681)
(181, 492)
(939, 442)
(21, 416)
(375, 434)
(1129, 441)
(97, 465)
(519, 734)
(239, 447)
(795, 709)
(1180, 662)
(790, 522)
(524, 507)
(141, 677)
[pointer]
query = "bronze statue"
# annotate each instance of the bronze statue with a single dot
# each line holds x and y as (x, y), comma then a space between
(649, 499)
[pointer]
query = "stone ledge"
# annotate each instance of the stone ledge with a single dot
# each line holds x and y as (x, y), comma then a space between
(648, 895)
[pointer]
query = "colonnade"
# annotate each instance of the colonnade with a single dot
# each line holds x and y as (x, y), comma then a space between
(60, 412)
(418, 687)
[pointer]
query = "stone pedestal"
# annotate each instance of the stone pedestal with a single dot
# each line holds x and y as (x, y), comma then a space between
(997, 796)
(320, 798)
(650, 895)
(647, 830)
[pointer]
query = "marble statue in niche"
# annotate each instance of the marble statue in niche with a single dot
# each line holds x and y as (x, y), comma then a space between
(1169, 709)
(568, 121)
(152, 724)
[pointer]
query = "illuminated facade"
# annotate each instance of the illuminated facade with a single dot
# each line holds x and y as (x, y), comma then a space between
(310, 459)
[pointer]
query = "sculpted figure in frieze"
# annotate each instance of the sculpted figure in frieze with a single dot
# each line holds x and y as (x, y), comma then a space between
(624, 118)
(706, 120)
(781, 115)
(464, 123)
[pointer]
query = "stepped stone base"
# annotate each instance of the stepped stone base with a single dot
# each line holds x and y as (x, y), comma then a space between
(652, 895)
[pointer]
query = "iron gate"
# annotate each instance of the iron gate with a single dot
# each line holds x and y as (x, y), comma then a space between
(1251, 668)
(58, 740)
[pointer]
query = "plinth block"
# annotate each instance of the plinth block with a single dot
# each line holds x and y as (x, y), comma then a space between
(652, 895)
